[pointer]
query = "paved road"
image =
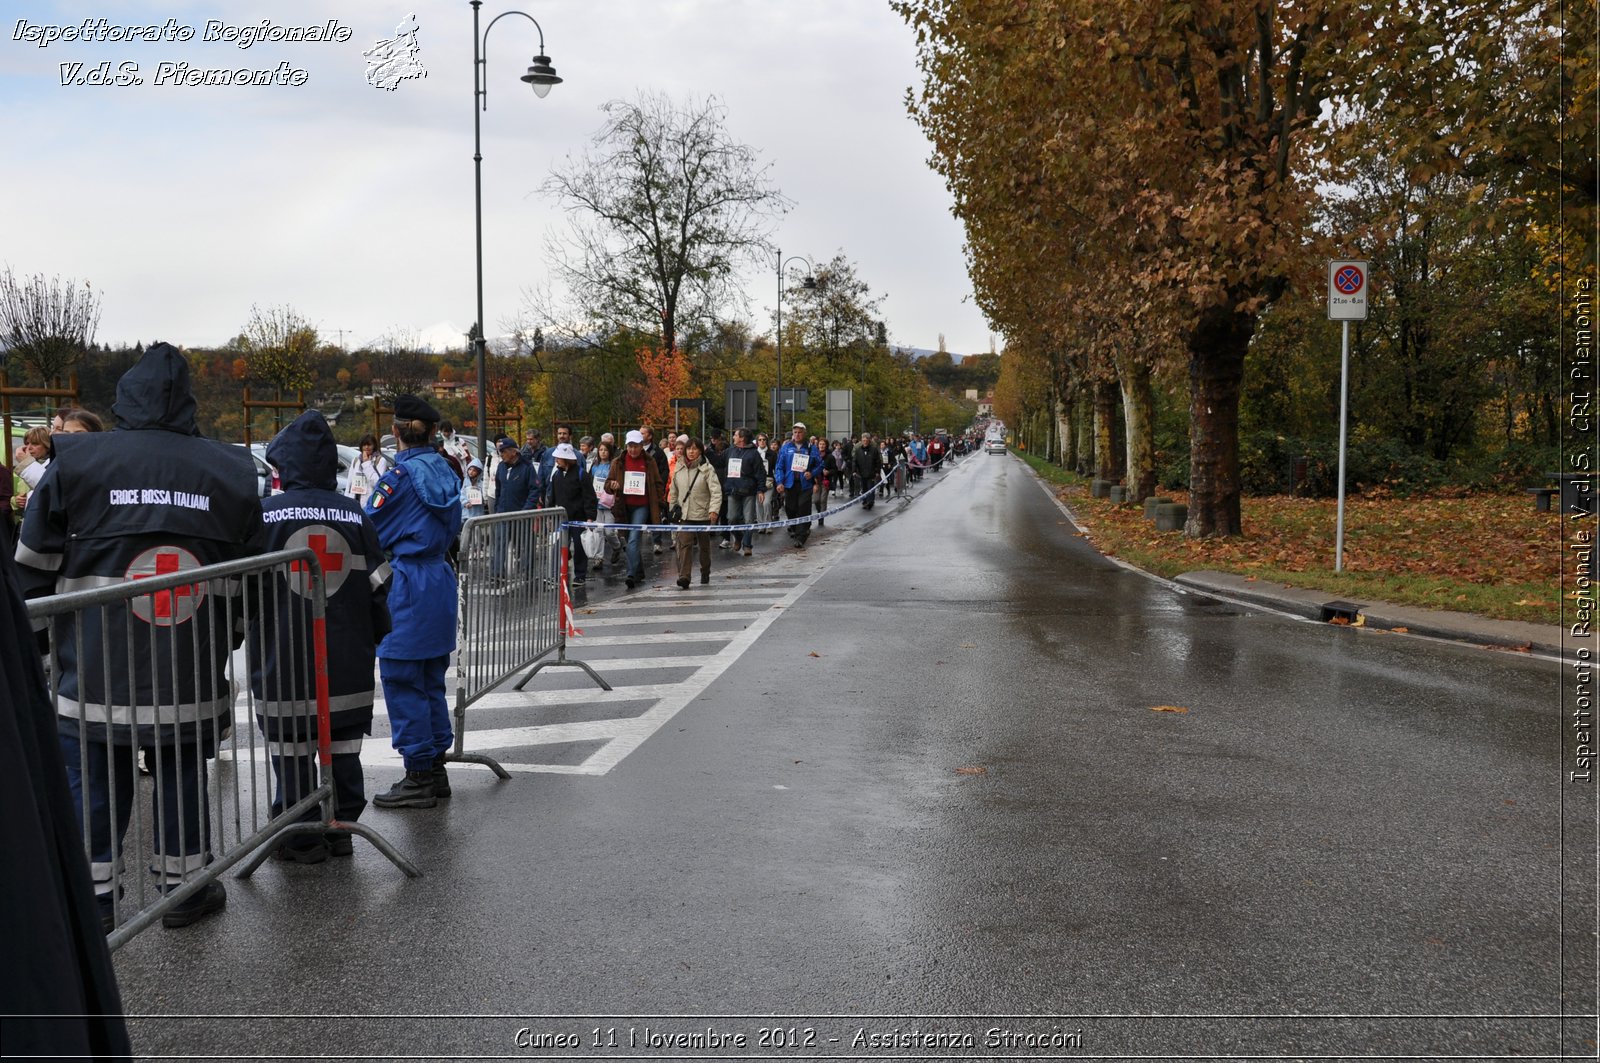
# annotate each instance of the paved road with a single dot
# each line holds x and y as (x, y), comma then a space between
(932, 784)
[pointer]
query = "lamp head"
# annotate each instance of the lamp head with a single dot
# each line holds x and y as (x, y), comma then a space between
(541, 75)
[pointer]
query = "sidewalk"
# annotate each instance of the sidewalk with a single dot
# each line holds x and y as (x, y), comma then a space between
(1319, 605)
(1438, 623)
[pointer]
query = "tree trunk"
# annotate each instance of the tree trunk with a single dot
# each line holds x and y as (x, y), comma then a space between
(1067, 432)
(1138, 411)
(1216, 370)
(1105, 427)
(1085, 431)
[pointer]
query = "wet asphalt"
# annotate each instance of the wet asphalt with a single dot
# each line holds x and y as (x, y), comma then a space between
(934, 800)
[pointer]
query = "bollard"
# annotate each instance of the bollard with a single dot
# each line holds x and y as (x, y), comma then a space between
(1171, 516)
(1119, 494)
(1151, 503)
(1100, 488)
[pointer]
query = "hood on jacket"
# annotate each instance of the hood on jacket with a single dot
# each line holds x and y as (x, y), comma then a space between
(436, 482)
(155, 393)
(305, 454)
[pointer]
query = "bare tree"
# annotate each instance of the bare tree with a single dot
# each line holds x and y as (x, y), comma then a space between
(665, 207)
(46, 324)
(279, 345)
(399, 367)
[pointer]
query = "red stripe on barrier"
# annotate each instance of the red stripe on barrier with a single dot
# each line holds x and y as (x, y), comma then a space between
(319, 656)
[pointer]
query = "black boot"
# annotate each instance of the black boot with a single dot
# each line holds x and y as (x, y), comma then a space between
(413, 791)
(441, 780)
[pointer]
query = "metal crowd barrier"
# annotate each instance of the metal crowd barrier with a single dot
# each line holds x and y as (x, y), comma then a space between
(509, 567)
(159, 664)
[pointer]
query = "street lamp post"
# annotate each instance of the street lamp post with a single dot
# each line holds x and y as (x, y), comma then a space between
(540, 76)
(810, 282)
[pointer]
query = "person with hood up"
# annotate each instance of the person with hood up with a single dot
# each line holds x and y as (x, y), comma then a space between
(416, 508)
(151, 497)
(472, 496)
(312, 513)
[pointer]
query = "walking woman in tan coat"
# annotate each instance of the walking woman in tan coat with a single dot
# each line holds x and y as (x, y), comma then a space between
(695, 489)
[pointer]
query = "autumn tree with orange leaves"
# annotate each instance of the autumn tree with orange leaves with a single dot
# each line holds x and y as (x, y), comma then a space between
(1138, 180)
(665, 373)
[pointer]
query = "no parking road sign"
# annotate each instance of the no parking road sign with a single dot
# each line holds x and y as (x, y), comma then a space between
(1347, 290)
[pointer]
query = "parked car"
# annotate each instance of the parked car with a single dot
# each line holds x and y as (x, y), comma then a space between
(348, 456)
(266, 476)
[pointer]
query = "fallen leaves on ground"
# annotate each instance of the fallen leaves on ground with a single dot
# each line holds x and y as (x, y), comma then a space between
(1401, 630)
(1491, 552)
(975, 770)
(813, 653)
(1168, 708)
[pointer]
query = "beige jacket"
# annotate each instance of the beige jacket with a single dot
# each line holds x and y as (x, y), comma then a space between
(700, 500)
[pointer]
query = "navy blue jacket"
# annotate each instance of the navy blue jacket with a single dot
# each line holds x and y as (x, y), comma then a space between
(752, 476)
(312, 513)
(516, 486)
(149, 498)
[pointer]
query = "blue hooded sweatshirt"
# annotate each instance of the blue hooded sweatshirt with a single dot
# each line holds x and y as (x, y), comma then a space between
(416, 508)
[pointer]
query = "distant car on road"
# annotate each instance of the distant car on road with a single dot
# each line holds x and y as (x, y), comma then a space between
(994, 446)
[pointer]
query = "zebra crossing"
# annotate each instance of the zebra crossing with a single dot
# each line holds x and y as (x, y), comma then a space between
(659, 647)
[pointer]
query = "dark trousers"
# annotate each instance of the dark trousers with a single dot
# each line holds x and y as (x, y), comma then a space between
(797, 503)
(293, 765)
(580, 559)
(181, 825)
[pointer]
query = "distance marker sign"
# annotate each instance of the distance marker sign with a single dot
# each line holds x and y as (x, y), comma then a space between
(1347, 290)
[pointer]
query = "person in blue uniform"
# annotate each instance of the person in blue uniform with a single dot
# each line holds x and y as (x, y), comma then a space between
(416, 508)
(312, 513)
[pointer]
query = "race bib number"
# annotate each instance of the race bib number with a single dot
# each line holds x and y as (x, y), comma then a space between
(633, 483)
(734, 466)
(358, 484)
(800, 462)
(474, 497)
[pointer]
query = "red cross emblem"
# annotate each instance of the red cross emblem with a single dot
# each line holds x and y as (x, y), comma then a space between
(333, 554)
(166, 608)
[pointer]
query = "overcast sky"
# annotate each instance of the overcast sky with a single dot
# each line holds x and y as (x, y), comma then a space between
(185, 205)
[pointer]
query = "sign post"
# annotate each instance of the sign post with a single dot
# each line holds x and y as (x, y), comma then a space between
(1347, 302)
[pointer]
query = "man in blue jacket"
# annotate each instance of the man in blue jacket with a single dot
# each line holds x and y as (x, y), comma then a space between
(795, 475)
(416, 508)
(312, 513)
(516, 486)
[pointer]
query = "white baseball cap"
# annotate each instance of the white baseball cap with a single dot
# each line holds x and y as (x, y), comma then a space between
(634, 437)
(797, 424)
(564, 450)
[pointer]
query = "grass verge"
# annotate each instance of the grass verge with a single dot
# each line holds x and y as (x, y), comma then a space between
(1486, 554)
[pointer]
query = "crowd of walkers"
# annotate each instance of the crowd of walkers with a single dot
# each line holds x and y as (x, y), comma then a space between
(395, 524)
(624, 494)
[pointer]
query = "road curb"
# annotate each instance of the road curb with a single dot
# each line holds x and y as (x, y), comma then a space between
(1465, 628)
